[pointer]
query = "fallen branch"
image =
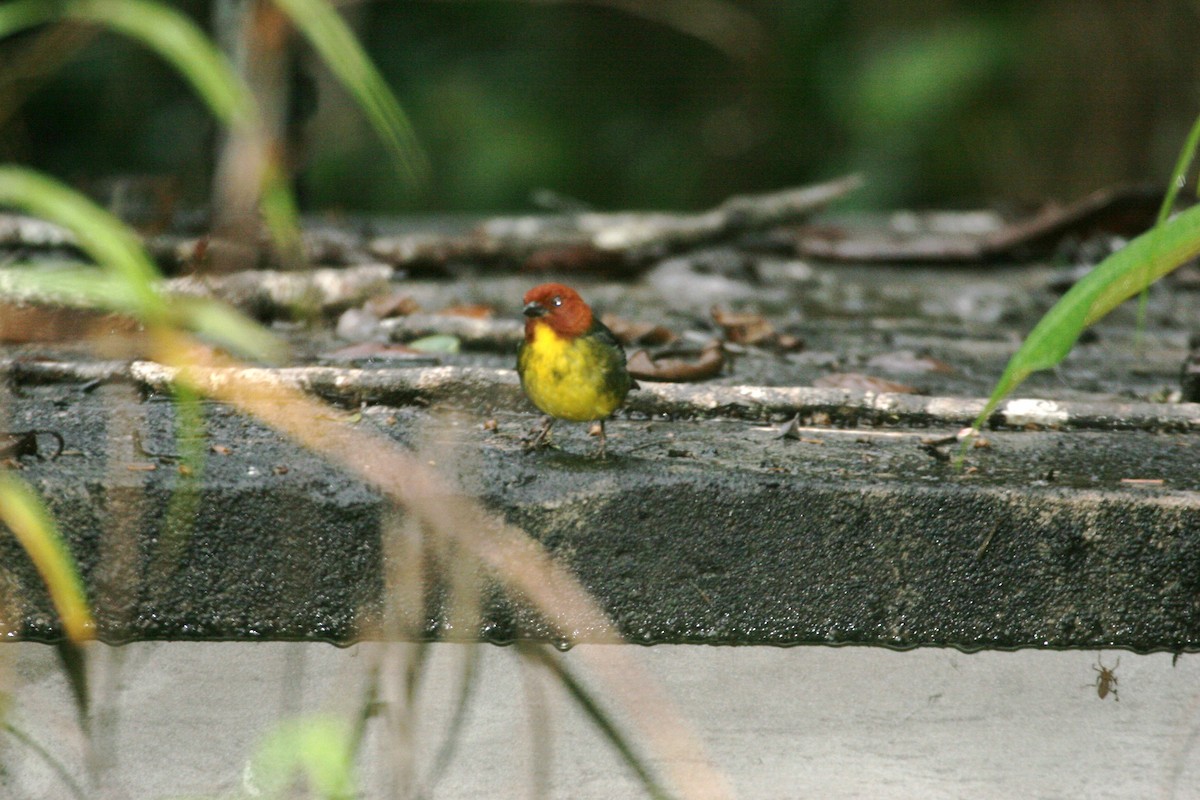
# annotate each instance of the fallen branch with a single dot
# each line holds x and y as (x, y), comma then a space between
(486, 390)
(264, 294)
(923, 239)
(268, 293)
(616, 241)
(621, 242)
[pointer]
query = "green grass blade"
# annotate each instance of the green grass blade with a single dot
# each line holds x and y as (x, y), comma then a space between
(166, 31)
(341, 51)
(1113, 281)
(281, 215)
(229, 328)
(1178, 180)
(1179, 174)
(99, 234)
(128, 282)
(178, 41)
(599, 718)
(22, 511)
(47, 757)
(22, 14)
(462, 704)
(69, 285)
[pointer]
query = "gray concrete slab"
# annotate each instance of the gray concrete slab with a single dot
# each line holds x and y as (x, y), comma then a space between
(185, 719)
(715, 531)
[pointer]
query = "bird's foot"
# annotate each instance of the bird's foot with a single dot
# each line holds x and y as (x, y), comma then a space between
(597, 429)
(539, 437)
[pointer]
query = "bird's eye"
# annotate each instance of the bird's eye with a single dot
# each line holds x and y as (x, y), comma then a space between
(556, 301)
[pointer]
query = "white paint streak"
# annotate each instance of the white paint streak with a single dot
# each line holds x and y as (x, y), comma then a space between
(1034, 412)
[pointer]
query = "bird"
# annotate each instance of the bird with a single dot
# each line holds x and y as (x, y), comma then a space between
(571, 365)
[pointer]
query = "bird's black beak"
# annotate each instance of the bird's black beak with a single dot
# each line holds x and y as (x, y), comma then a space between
(534, 310)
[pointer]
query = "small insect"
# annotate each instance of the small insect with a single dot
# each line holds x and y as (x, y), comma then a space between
(1106, 680)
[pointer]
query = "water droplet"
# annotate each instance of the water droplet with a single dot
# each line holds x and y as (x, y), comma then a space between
(562, 645)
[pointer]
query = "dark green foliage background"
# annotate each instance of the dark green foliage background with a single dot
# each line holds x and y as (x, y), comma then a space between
(940, 103)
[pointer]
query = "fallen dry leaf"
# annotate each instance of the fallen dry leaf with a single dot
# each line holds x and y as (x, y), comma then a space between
(706, 365)
(862, 383)
(20, 324)
(394, 304)
(906, 361)
(630, 332)
(743, 328)
(471, 310)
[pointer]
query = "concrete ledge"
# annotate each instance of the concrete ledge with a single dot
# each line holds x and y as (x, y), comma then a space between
(703, 530)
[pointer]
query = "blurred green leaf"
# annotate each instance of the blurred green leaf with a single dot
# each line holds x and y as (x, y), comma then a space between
(24, 514)
(174, 37)
(437, 343)
(923, 76)
(1179, 174)
(22, 14)
(1114, 280)
(101, 235)
(68, 284)
(127, 281)
(281, 215)
(329, 35)
(229, 328)
(1178, 179)
(320, 747)
(161, 28)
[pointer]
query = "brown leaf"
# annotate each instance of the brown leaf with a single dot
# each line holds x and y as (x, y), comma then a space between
(630, 332)
(862, 383)
(472, 310)
(706, 365)
(37, 323)
(788, 342)
(908, 361)
(744, 328)
(393, 304)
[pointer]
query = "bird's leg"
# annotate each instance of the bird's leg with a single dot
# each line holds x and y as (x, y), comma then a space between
(539, 440)
(603, 441)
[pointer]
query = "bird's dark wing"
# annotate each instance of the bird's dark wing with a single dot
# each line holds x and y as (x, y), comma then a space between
(616, 376)
(600, 332)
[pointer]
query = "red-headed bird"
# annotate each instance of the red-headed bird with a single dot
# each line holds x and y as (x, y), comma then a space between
(571, 365)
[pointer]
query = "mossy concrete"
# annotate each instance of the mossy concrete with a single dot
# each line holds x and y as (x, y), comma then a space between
(712, 531)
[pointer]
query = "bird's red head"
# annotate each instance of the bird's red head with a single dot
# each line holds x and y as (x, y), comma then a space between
(558, 306)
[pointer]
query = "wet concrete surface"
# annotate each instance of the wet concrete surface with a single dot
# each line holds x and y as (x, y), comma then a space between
(1074, 527)
(1076, 524)
(716, 531)
(840, 723)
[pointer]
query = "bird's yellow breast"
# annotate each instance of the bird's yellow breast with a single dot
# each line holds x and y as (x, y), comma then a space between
(569, 378)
